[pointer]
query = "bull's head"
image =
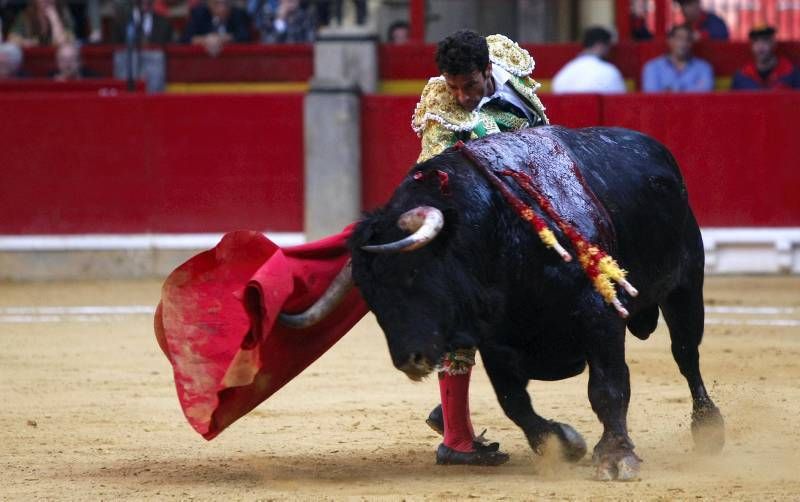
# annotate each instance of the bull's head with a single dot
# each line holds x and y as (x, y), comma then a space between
(421, 263)
(424, 224)
(393, 285)
(424, 288)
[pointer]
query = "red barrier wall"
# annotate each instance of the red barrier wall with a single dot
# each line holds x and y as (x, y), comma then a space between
(737, 150)
(78, 164)
(136, 163)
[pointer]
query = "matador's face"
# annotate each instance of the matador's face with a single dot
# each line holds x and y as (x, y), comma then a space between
(470, 88)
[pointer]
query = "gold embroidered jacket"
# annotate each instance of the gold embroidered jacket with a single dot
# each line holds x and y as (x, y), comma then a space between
(440, 121)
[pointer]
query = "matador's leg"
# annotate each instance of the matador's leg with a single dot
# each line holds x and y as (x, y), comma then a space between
(459, 445)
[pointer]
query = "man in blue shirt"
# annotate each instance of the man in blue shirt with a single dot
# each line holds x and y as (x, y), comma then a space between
(678, 70)
(707, 25)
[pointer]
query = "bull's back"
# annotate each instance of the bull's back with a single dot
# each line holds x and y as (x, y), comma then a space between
(639, 183)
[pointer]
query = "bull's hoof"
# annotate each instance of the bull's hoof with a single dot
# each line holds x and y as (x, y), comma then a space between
(708, 430)
(573, 446)
(620, 467)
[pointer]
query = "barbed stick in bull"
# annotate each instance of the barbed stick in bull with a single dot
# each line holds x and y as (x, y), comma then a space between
(598, 265)
(486, 281)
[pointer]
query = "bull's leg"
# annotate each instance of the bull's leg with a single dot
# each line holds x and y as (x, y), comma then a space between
(609, 394)
(516, 403)
(683, 311)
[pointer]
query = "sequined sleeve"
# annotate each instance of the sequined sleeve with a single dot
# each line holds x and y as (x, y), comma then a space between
(435, 139)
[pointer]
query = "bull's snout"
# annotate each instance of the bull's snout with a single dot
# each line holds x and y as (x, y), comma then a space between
(416, 367)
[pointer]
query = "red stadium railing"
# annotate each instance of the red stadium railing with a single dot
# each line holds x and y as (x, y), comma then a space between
(102, 86)
(78, 164)
(188, 63)
(240, 63)
(294, 63)
(75, 163)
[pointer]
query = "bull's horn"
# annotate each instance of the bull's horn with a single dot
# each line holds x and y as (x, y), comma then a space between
(425, 221)
(329, 300)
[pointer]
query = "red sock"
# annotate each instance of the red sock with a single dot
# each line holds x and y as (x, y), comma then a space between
(454, 391)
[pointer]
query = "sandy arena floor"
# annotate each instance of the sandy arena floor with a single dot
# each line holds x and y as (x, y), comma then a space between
(89, 412)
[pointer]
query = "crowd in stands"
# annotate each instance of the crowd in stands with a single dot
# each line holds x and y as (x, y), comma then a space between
(68, 24)
(704, 24)
(54, 22)
(214, 23)
(678, 70)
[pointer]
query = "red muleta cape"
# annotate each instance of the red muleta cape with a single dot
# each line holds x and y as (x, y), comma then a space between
(216, 322)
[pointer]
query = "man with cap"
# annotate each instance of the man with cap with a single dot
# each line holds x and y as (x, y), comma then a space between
(767, 71)
(706, 25)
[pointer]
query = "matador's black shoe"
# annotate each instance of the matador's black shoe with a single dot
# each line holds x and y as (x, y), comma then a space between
(448, 456)
(435, 421)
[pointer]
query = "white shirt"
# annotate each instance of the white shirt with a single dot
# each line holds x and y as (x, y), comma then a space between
(504, 91)
(588, 73)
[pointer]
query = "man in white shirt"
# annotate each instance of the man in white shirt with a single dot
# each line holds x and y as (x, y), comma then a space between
(589, 72)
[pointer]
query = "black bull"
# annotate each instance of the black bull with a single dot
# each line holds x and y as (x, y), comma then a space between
(487, 281)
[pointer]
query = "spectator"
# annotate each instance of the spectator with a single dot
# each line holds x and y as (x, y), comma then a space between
(324, 11)
(86, 14)
(767, 70)
(43, 22)
(398, 32)
(216, 24)
(10, 61)
(285, 23)
(678, 70)
(706, 25)
(589, 72)
(68, 64)
(151, 27)
(8, 13)
(639, 30)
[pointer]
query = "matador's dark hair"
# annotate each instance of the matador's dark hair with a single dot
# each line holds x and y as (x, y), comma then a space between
(462, 53)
